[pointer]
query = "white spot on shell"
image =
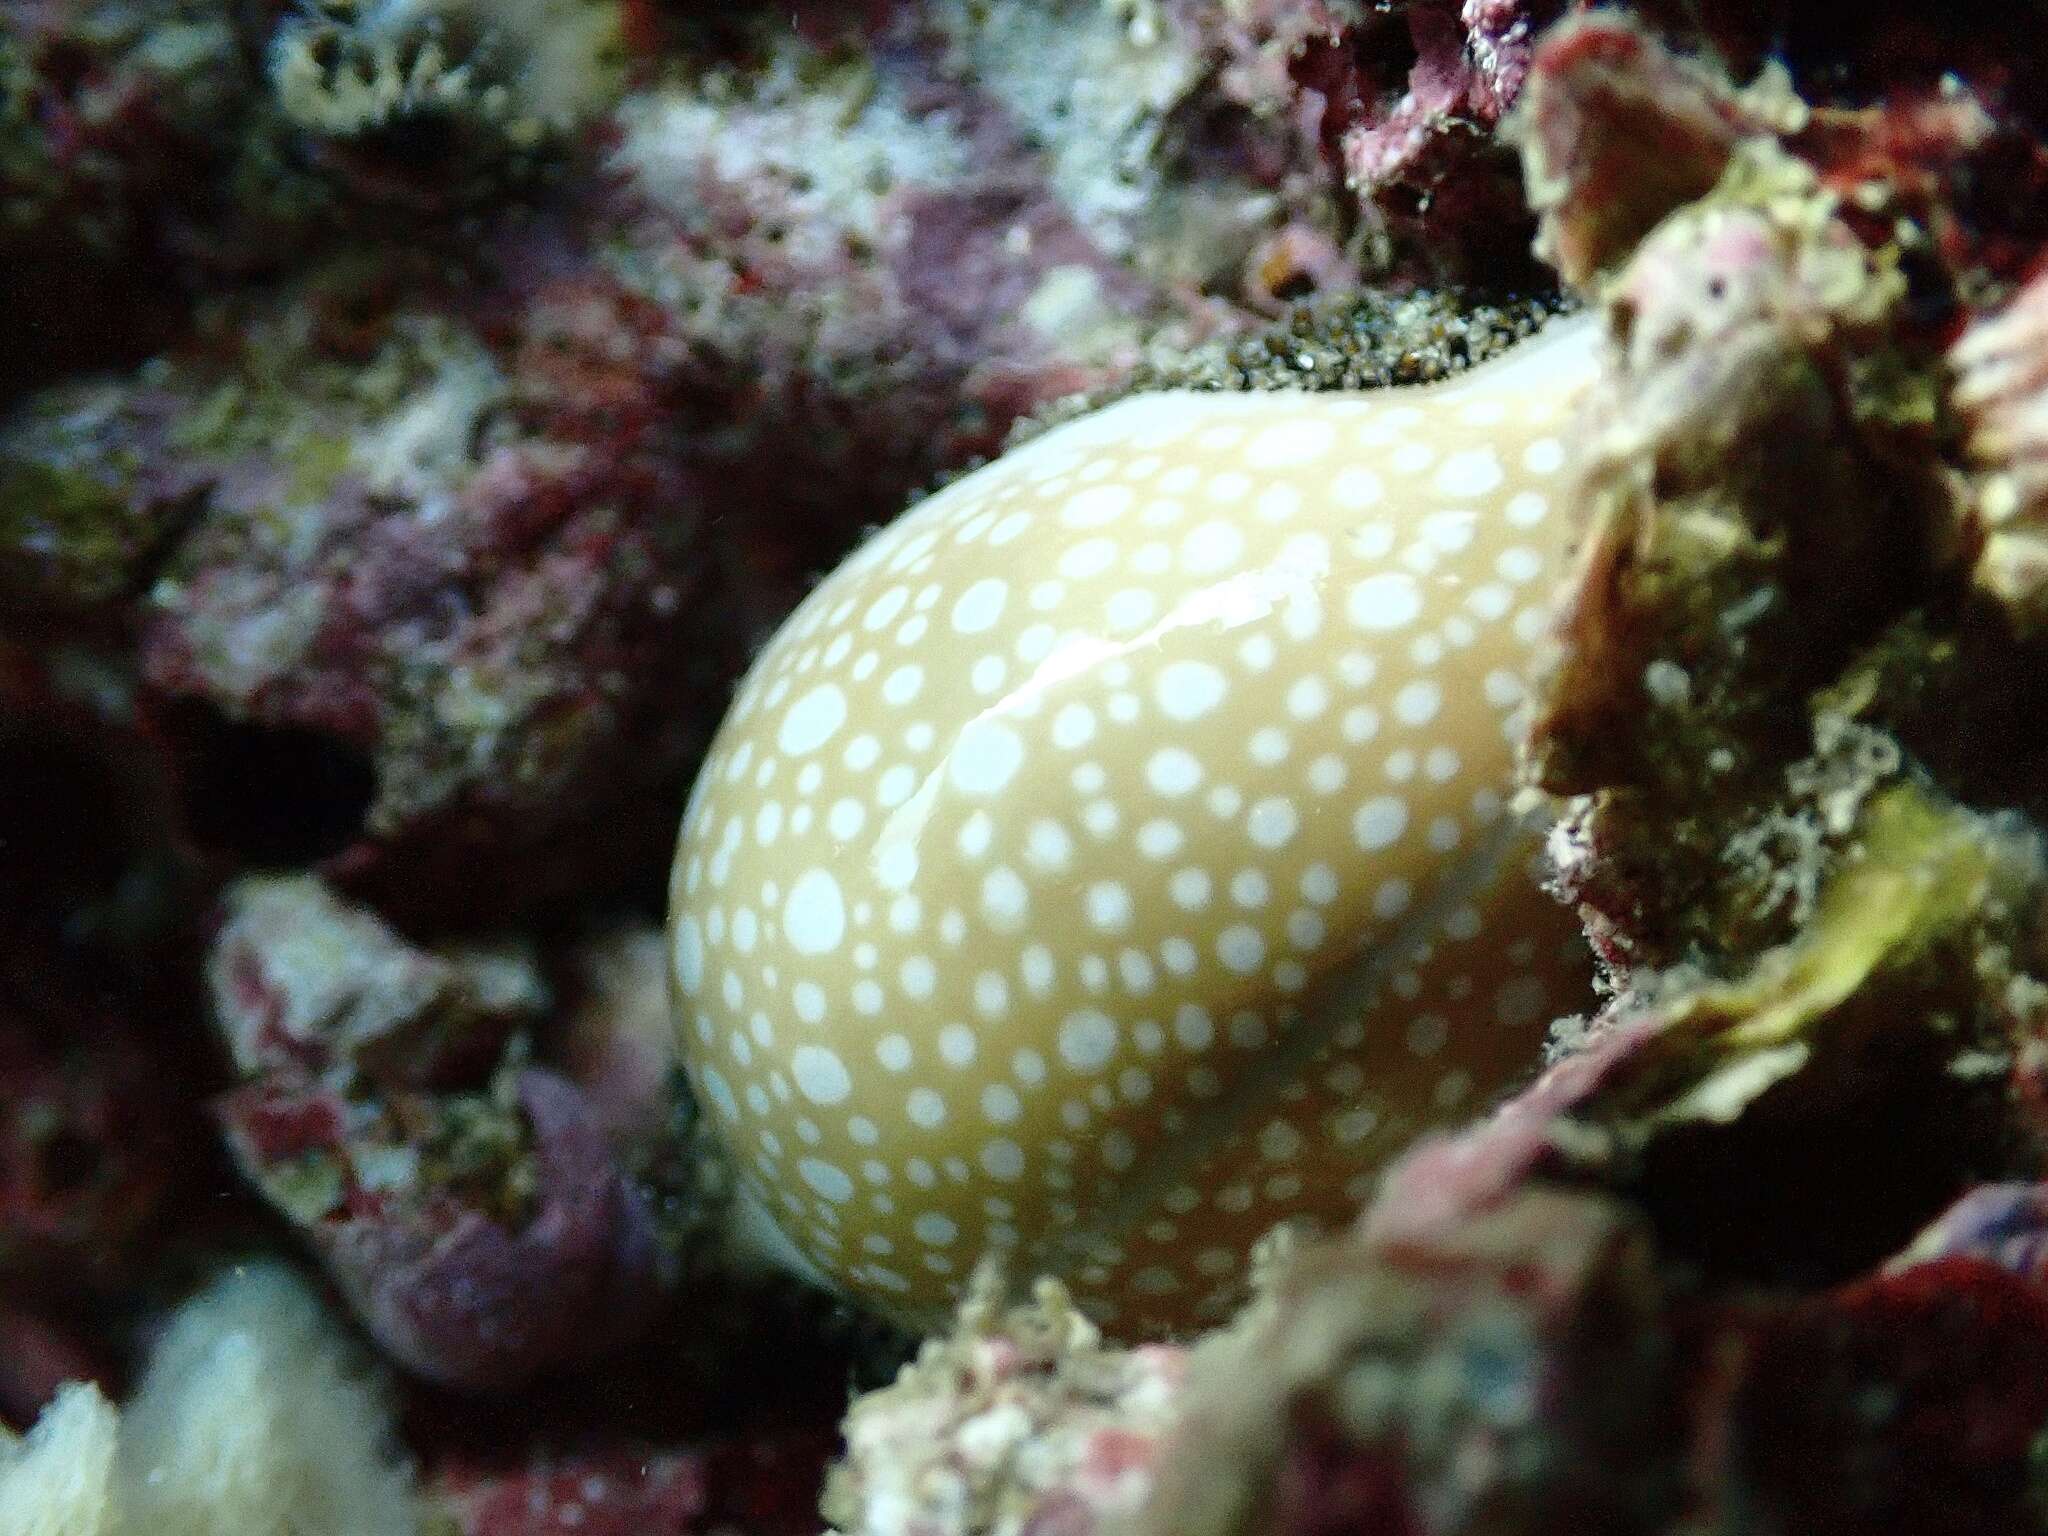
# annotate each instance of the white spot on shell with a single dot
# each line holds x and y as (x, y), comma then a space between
(1037, 968)
(1240, 947)
(1093, 507)
(1212, 547)
(812, 720)
(903, 684)
(814, 916)
(1109, 905)
(1297, 441)
(1130, 609)
(975, 834)
(1379, 822)
(1090, 557)
(883, 610)
(986, 757)
(1173, 771)
(1002, 1158)
(1519, 1002)
(1159, 839)
(935, 1229)
(1004, 897)
(1187, 690)
(895, 865)
(1390, 600)
(690, 956)
(1272, 822)
(980, 606)
(1073, 727)
(1047, 845)
(1418, 703)
(918, 976)
(1087, 1040)
(828, 1179)
(1472, 472)
(845, 819)
(719, 1091)
(895, 785)
(1356, 488)
(820, 1075)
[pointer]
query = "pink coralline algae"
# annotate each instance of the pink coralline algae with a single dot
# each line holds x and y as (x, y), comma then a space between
(1505, 1376)
(476, 1219)
(757, 1487)
(1557, 1385)
(2001, 391)
(417, 412)
(435, 628)
(445, 557)
(478, 1296)
(1021, 1421)
(1416, 96)
(1620, 131)
(440, 557)
(1534, 1329)
(1519, 1357)
(306, 984)
(110, 150)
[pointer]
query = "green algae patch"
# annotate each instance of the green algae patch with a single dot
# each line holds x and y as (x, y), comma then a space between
(1917, 876)
(70, 542)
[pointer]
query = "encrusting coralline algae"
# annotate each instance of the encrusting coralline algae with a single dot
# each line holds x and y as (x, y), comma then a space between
(416, 415)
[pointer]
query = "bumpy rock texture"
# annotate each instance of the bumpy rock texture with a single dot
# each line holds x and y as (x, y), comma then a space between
(415, 411)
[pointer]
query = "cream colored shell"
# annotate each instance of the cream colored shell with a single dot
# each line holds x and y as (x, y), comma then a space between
(1112, 858)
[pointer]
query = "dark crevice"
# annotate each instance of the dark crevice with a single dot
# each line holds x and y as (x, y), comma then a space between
(62, 842)
(1829, 1174)
(266, 795)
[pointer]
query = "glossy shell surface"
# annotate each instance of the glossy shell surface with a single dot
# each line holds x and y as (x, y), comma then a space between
(1114, 857)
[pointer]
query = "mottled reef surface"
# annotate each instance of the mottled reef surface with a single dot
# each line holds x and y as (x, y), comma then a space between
(415, 413)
